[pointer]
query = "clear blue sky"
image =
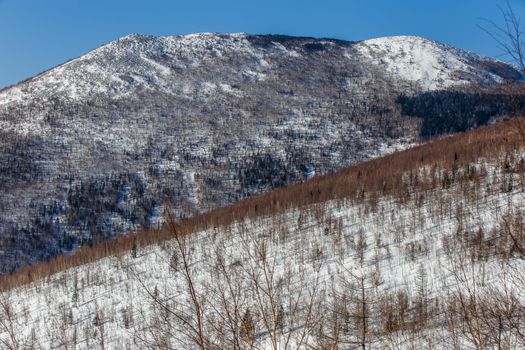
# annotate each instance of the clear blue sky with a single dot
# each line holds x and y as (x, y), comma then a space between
(38, 34)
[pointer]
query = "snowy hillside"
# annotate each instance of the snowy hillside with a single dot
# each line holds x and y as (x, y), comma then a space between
(129, 64)
(432, 259)
(101, 145)
(427, 63)
(132, 63)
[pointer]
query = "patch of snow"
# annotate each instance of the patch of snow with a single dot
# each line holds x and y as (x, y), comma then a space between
(428, 63)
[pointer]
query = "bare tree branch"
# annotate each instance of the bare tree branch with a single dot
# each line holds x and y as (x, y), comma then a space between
(508, 36)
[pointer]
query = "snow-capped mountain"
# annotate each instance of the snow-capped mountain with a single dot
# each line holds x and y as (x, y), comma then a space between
(101, 145)
(138, 62)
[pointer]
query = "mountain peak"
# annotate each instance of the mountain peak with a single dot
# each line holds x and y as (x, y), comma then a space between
(428, 63)
(420, 61)
(135, 36)
(208, 35)
(401, 38)
(138, 61)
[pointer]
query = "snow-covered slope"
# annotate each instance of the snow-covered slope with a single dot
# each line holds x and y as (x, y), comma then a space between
(98, 146)
(131, 63)
(429, 64)
(127, 65)
(433, 268)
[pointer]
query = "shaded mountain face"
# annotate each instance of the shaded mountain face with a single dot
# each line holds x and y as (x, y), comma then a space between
(104, 144)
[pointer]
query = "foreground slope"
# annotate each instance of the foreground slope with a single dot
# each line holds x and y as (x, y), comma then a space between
(420, 249)
(102, 144)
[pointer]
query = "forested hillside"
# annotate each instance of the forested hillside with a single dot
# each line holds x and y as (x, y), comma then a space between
(419, 249)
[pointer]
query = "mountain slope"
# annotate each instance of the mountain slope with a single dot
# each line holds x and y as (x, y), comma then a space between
(432, 65)
(423, 248)
(104, 143)
(137, 62)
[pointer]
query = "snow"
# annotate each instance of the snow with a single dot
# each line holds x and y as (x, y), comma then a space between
(428, 63)
(288, 52)
(304, 246)
(425, 62)
(97, 72)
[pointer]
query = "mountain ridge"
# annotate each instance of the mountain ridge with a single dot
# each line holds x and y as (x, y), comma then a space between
(138, 38)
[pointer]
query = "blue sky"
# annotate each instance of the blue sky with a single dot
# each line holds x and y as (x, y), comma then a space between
(38, 34)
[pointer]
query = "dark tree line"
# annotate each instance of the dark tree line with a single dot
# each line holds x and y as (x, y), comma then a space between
(444, 112)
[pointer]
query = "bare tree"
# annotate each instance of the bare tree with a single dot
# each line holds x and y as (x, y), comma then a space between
(188, 314)
(8, 325)
(99, 322)
(509, 35)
